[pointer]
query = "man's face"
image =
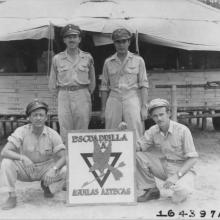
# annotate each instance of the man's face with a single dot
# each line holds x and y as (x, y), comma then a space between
(122, 46)
(72, 41)
(38, 117)
(161, 116)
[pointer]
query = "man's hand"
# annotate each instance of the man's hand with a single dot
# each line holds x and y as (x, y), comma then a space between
(170, 181)
(144, 112)
(91, 89)
(138, 149)
(102, 116)
(122, 126)
(28, 163)
(49, 176)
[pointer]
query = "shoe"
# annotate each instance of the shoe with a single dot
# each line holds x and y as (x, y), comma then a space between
(152, 193)
(47, 192)
(10, 203)
(64, 188)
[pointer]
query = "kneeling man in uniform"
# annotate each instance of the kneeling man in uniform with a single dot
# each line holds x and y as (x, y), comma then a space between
(175, 167)
(34, 152)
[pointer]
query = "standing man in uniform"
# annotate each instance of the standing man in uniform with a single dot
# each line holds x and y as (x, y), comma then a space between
(73, 78)
(33, 152)
(175, 168)
(124, 86)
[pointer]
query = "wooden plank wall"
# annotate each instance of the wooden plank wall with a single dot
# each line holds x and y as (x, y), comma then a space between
(192, 89)
(17, 91)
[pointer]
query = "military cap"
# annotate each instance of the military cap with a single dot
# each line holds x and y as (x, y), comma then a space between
(70, 29)
(121, 34)
(155, 103)
(36, 104)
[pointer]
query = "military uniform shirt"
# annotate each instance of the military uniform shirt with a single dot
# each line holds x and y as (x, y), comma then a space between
(66, 73)
(176, 145)
(37, 149)
(117, 76)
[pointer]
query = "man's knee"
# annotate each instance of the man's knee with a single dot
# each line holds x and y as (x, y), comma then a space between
(63, 171)
(7, 164)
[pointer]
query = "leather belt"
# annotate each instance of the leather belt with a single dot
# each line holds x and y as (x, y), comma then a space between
(174, 161)
(73, 88)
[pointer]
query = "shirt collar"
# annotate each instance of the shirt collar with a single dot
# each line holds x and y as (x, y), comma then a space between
(170, 129)
(115, 57)
(43, 132)
(81, 54)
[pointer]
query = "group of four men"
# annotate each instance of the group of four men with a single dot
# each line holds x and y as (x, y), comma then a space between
(36, 152)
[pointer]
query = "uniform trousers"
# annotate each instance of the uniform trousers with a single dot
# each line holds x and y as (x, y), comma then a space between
(13, 170)
(149, 166)
(124, 107)
(74, 109)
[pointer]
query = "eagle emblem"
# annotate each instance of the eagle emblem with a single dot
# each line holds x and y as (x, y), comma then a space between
(101, 156)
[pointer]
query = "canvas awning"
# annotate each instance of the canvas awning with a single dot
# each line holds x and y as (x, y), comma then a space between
(31, 19)
(185, 24)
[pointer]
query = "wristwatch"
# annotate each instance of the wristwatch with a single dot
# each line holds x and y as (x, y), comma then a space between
(179, 174)
(55, 168)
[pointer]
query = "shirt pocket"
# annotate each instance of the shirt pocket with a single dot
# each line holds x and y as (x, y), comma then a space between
(132, 69)
(83, 73)
(176, 148)
(62, 69)
(47, 151)
(132, 74)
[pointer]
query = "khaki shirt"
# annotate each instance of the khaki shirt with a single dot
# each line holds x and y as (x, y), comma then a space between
(65, 72)
(176, 145)
(117, 76)
(38, 149)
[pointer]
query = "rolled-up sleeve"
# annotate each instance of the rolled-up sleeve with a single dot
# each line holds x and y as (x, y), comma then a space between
(105, 79)
(143, 80)
(188, 144)
(146, 141)
(17, 137)
(53, 76)
(57, 142)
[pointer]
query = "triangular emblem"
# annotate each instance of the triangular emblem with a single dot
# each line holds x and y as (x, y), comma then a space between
(100, 179)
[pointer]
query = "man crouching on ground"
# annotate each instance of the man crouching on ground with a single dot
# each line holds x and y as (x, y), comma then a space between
(175, 168)
(33, 152)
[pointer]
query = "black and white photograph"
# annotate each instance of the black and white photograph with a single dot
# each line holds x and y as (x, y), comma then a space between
(109, 109)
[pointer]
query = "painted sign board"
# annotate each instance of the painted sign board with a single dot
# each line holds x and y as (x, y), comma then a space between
(101, 167)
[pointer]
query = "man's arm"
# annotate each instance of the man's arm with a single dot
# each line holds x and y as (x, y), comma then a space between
(10, 151)
(61, 155)
(145, 141)
(104, 90)
(53, 77)
(144, 99)
(92, 77)
(143, 84)
(188, 164)
(191, 158)
(51, 173)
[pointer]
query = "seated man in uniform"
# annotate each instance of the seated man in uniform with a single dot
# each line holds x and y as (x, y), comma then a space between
(33, 152)
(175, 168)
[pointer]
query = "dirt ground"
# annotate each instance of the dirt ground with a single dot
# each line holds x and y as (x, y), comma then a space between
(203, 204)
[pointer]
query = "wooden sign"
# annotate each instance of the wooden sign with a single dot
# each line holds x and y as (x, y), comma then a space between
(101, 167)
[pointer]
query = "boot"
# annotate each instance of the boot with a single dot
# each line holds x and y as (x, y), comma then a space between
(152, 193)
(10, 203)
(47, 192)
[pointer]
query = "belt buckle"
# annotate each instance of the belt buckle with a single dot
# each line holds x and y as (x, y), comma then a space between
(73, 88)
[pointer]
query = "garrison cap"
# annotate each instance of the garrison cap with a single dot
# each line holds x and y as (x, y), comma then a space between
(121, 34)
(71, 29)
(36, 104)
(155, 103)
